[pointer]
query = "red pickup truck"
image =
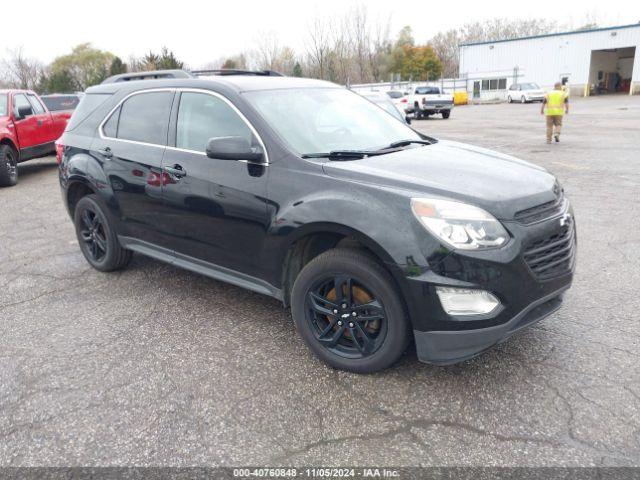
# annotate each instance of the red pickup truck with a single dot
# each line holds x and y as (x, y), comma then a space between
(27, 130)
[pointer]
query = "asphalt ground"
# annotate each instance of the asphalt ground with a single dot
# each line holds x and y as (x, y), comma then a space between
(158, 366)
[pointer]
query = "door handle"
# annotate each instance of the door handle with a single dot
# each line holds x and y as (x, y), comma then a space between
(105, 152)
(176, 171)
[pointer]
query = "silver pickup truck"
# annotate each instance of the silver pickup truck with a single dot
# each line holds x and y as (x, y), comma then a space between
(427, 101)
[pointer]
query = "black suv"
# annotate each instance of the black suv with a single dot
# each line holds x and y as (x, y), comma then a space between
(300, 189)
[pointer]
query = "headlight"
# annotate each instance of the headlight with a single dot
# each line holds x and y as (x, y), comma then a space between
(458, 224)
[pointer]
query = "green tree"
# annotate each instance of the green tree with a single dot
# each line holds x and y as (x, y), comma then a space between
(230, 64)
(405, 37)
(418, 63)
(57, 82)
(297, 70)
(83, 67)
(117, 67)
(168, 61)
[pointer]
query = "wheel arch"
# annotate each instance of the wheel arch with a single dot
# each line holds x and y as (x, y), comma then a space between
(8, 141)
(309, 241)
(77, 188)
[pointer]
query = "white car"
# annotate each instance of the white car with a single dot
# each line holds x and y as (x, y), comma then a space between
(399, 99)
(525, 92)
(427, 101)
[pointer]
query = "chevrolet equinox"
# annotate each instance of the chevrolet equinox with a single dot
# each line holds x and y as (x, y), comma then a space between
(374, 234)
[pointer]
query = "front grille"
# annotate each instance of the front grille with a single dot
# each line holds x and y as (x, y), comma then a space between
(554, 255)
(541, 212)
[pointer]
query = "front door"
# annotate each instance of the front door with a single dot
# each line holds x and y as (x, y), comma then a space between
(215, 209)
(33, 129)
(130, 147)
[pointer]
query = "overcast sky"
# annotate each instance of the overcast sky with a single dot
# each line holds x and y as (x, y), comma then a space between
(203, 31)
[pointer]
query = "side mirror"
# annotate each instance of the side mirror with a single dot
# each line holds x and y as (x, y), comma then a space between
(407, 119)
(24, 111)
(233, 148)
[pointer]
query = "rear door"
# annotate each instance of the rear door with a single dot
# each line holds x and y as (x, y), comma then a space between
(130, 145)
(43, 119)
(216, 209)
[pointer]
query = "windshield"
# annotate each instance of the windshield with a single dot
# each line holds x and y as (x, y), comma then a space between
(313, 120)
(530, 86)
(3, 105)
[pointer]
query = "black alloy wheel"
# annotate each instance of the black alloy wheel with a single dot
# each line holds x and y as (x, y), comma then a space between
(93, 235)
(98, 242)
(348, 310)
(345, 317)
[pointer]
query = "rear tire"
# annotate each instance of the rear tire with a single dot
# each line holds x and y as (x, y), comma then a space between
(523, 99)
(97, 238)
(8, 166)
(446, 114)
(509, 99)
(369, 332)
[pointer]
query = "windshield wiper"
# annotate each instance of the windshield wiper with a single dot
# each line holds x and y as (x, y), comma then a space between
(358, 154)
(344, 154)
(404, 143)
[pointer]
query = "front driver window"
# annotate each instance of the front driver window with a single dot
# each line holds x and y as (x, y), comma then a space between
(202, 116)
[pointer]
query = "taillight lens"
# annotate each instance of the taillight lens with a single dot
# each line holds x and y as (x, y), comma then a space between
(59, 151)
(404, 100)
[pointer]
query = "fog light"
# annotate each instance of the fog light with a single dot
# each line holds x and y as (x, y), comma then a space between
(464, 301)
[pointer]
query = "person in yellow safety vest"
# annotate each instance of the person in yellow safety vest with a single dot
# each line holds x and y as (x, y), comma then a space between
(557, 104)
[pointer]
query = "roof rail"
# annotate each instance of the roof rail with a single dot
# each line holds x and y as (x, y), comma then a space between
(233, 71)
(151, 75)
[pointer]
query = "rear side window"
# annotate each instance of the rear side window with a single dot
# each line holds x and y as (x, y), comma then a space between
(35, 103)
(3, 106)
(110, 128)
(202, 117)
(61, 102)
(88, 104)
(144, 118)
(395, 94)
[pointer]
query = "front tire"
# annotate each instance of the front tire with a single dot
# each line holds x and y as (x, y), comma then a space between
(347, 309)
(8, 166)
(509, 99)
(523, 99)
(97, 238)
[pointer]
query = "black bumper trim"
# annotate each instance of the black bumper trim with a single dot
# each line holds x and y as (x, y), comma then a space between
(449, 347)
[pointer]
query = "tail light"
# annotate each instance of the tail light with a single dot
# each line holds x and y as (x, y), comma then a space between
(59, 151)
(404, 100)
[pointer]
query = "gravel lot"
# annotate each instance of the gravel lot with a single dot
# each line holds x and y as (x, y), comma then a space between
(159, 366)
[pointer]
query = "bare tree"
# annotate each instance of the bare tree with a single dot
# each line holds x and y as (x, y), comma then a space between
(359, 28)
(20, 71)
(447, 44)
(319, 46)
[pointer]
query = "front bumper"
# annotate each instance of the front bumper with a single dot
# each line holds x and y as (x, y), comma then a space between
(527, 278)
(449, 347)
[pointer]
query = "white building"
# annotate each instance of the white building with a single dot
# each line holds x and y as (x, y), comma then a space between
(594, 61)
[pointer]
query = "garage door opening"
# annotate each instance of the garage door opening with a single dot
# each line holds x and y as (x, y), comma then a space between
(611, 70)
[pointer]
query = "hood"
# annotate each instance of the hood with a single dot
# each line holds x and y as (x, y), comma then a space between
(498, 183)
